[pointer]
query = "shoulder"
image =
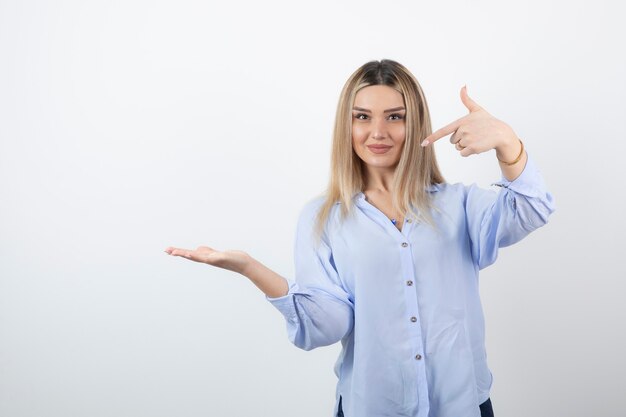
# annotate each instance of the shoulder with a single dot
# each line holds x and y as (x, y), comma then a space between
(313, 205)
(460, 189)
(311, 208)
(316, 203)
(311, 212)
(446, 189)
(465, 195)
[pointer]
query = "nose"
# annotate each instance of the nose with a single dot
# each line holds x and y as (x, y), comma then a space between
(379, 130)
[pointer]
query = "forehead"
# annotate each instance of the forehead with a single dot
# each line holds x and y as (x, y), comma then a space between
(378, 97)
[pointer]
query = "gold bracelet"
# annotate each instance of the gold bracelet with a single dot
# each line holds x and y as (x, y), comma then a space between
(518, 156)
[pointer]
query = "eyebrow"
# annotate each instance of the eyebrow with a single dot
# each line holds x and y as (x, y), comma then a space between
(386, 111)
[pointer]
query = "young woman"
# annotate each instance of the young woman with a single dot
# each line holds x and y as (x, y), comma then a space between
(387, 259)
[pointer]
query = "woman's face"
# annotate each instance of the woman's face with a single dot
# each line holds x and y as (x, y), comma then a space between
(378, 119)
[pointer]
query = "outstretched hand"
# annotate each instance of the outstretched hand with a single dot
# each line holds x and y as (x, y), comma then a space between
(476, 132)
(233, 260)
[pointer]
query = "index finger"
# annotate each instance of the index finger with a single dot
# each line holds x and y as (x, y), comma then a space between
(444, 131)
(178, 252)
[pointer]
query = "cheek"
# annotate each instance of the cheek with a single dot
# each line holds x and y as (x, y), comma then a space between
(359, 134)
(399, 132)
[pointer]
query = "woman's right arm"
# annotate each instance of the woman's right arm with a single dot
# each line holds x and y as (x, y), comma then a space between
(317, 314)
(268, 281)
(317, 309)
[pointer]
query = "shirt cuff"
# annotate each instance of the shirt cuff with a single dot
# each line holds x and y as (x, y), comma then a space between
(529, 183)
(286, 303)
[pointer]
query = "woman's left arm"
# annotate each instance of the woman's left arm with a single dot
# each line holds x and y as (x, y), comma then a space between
(512, 158)
(496, 220)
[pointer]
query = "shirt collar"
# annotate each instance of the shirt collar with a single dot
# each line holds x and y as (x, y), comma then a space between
(432, 188)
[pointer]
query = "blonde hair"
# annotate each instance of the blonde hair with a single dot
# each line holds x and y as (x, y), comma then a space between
(417, 168)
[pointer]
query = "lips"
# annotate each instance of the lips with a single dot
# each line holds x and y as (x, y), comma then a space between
(379, 149)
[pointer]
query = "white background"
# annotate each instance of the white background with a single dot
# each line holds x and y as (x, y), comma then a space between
(130, 126)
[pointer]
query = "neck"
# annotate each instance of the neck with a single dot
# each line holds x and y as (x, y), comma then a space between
(379, 179)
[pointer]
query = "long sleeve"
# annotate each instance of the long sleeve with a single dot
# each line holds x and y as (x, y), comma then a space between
(317, 309)
(499, 219)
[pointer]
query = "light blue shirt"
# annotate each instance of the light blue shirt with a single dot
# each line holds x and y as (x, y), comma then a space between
(405, 304)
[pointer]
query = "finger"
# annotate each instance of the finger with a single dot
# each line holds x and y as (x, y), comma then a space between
(181, 252)
(471, 105)
(456, 136)
(171, 250)
(444, 131)
(467, 151)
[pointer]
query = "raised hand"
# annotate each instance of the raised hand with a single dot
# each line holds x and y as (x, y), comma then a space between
(268, 281)
(233, 260)
(476, 132)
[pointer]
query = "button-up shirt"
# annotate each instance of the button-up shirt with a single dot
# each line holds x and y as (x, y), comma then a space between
(405, 303)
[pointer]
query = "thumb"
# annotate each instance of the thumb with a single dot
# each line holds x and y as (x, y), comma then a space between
(471, 105)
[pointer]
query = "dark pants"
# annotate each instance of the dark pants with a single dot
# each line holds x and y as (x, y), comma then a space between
(485, 409)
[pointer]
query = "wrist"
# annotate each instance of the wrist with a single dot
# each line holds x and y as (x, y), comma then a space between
(509, 151)
(247, 266)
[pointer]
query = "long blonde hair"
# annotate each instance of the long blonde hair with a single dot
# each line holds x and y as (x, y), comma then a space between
(417, 168)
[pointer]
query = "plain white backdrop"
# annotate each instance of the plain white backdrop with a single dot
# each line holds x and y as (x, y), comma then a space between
(129, 126)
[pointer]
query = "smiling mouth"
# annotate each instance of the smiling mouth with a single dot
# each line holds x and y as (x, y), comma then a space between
(379, 149)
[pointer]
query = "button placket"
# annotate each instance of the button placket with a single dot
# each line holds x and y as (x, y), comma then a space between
(382, 217)
(408, 268)
(415, 329)
(406, 277)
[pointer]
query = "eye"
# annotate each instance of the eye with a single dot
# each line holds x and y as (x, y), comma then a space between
(394, 116)
(399, 116)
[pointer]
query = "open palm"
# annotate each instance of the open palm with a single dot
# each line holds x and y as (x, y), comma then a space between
(233, 260)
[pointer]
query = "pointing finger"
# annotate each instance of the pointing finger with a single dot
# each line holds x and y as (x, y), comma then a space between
(444, 131)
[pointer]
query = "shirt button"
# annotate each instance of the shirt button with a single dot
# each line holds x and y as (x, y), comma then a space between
(409, 283)
(413, 319)
(418, 356)
(404, 244)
